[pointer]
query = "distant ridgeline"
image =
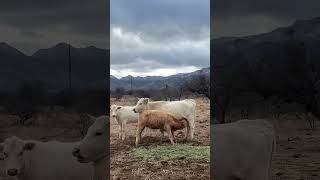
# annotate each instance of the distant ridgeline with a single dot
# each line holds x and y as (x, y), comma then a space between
(51, 67)
(283, 63)
(156, 82)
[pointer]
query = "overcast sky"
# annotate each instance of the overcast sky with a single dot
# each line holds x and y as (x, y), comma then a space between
(249, 17)
(33, 24)
(160, 37)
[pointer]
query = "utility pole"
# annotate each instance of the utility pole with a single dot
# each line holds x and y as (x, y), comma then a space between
(131, 85)
(167, 92)
(69, 66)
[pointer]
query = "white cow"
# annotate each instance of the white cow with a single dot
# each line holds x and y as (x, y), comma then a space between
(94, 147)
(180, 109)
(34, 160)
(123, 115)
(242, 150)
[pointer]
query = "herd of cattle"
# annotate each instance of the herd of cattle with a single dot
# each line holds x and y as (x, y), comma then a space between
(167, 116)
(242, 150)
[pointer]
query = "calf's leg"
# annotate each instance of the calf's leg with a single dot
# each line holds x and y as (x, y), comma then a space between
(138, 135)
(174, 137)
(168, 130)
(162, 135)
(120, 131)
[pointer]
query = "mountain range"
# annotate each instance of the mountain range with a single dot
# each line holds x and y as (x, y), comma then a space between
(155, 82)
(88, 67)
(268, 57)
(270, 60)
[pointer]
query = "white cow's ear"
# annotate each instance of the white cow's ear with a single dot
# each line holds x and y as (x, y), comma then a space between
(29, 146)
(146, 100)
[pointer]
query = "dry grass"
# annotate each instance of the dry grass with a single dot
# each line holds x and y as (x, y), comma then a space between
(172, 153)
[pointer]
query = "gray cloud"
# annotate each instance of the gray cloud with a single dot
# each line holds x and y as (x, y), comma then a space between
(150, 35)
(33, 24)
(247, 17)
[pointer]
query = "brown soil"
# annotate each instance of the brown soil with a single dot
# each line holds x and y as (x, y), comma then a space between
(298, 152)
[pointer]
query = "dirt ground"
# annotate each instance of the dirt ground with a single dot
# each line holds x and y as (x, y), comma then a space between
(126, 166)
(298, 152)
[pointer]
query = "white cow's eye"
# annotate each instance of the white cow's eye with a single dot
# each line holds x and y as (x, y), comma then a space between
(20, 154)
(5, 154)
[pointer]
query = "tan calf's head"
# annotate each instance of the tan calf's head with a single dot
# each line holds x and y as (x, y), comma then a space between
(93, 147)
(13, 149)
(141, 105)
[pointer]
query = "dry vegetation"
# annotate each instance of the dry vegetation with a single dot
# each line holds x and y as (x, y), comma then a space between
(127, 162)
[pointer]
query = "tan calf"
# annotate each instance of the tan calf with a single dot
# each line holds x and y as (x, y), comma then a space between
(164, 121)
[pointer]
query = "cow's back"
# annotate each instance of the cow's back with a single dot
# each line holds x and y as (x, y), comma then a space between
(54, 161)
(180, 109)
(242, 150)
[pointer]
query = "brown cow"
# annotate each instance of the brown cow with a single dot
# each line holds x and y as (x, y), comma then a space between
(164, 121)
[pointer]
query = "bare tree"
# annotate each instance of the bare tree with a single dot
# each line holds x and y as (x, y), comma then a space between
(199, 85)
(29, 97)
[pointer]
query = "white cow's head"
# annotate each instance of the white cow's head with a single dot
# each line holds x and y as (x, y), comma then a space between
(13, 149)
(93, 147)
(141, 105)
(113, 110)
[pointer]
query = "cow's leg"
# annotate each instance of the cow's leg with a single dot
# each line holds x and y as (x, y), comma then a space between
(123, 131)
(191, 132)
(138, 135)
(188, 132)
(190, 127)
